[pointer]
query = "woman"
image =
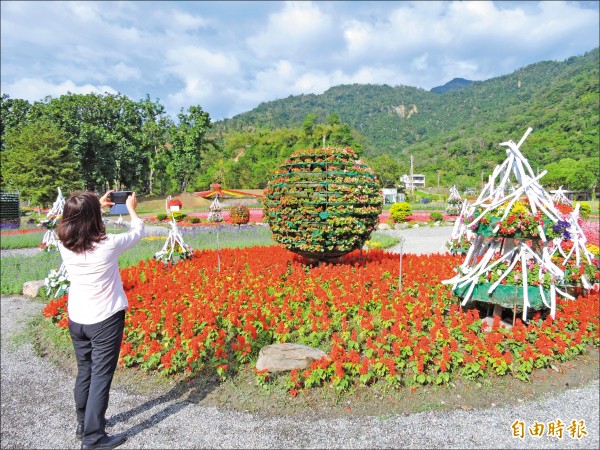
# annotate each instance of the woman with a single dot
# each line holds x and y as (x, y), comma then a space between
(97, 305)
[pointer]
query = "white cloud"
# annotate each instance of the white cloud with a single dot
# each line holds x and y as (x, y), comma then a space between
(187, 22)
(228, 57)
(122, 72)
(35, 89)
(296, 31)
(205, 74)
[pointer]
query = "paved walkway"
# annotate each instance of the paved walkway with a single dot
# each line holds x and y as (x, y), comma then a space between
(421, 240)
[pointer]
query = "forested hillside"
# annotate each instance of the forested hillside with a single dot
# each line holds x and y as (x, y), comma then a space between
(457, 133)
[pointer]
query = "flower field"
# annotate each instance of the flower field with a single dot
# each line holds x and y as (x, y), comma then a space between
(191, 317)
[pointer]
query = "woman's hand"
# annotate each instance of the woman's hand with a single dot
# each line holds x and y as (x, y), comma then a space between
(131, 204)
(105, 199)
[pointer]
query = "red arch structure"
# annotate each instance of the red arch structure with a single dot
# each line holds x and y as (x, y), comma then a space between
(217, 191)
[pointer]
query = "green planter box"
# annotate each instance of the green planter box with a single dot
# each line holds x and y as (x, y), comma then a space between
(504, 295)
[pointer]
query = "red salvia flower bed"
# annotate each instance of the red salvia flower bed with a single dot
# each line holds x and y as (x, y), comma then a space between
(190, 316)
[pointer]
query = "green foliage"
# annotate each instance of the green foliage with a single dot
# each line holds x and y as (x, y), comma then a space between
(436, 216)
(189, 140)
(179, 216)
(400, 211)
(194, 219)
(36, 161)
(161, 216)
(584, 210)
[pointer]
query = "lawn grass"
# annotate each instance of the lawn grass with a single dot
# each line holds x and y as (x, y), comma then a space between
(27, 240)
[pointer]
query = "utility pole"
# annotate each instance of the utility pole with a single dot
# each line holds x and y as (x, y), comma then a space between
(412, 184)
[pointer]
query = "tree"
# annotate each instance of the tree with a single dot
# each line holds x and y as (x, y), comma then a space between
(14, 112)
(104, 138)
(36, 161)
(388, 170)
(189, 140)
(584, 176)
(154, 138)
(308, 125)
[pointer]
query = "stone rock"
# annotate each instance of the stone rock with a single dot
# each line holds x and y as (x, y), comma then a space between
(32, 288)
(286, 356)
(383, 226)
(400, 226)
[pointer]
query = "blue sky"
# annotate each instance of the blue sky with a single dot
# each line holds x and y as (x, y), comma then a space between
(228, 57)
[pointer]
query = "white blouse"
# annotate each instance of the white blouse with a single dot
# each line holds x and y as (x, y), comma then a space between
(96, 290)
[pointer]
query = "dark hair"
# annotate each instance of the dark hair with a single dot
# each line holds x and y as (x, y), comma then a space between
(81, 226)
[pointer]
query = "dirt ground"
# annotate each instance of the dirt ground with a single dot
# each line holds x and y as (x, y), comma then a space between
(242, 393)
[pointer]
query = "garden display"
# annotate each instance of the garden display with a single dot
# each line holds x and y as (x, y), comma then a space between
(215, 211)
(514, 219)
(560, 198)
(323, 203)
(239, 215)
(188, 318)
(454, 202)
(174, 249)
(174, 205)
(57, 282)
(572, 255)
(50, 240)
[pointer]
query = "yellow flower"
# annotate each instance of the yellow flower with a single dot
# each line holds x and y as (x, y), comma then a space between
(153, 238)
(519, 208)
(593, 249)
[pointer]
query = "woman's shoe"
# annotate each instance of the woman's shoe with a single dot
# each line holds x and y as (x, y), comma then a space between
(106, 443)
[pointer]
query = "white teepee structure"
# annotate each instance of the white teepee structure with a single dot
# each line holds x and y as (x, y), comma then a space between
(215, 211)
(50, 239)
(57, 281)
(174, 245)
(578, 253)
(511, 182)
(560, 197)
(454, 202)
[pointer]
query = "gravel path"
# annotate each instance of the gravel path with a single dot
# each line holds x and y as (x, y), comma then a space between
(38, 411)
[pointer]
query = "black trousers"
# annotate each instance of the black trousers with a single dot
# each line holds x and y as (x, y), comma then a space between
(97, 351)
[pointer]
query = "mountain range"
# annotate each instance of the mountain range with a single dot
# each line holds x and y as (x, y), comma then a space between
(458, 126)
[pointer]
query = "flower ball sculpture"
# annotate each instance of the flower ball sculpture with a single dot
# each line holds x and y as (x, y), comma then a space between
(239, 215)
(323, 203)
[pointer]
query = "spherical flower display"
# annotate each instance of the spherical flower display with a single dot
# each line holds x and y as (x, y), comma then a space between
(323, 203)
(239, 215)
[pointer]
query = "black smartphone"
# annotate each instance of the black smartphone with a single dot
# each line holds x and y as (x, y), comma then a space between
(120, 197)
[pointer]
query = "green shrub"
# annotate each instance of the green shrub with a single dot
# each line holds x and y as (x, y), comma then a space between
(178, 216)
(584, 210)
(194, 219)
(436, 216)
(161, 216)
(400, 211)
